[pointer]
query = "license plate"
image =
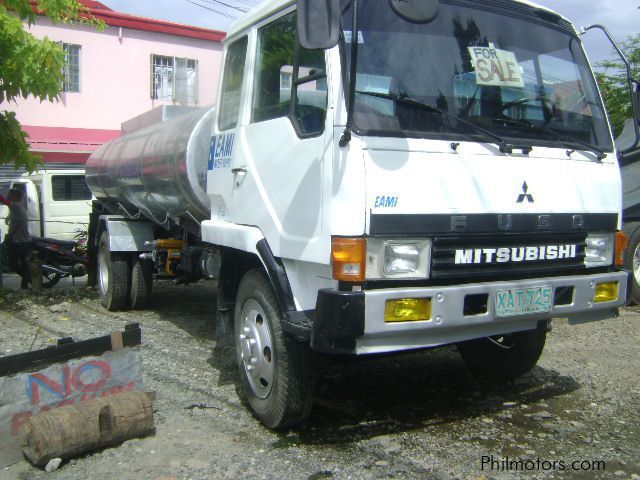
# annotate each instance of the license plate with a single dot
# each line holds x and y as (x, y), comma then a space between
(523, 301)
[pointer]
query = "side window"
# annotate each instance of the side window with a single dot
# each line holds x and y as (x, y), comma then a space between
(232, 85)
(66, 188)
(310, 82)
(276, 52)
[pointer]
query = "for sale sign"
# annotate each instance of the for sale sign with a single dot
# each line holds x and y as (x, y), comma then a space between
(495, 67)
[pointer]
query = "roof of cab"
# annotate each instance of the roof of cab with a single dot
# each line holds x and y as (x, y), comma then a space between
(269, 7)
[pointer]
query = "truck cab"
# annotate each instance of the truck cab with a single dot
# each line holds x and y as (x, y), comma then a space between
(379, 176)
(58, 202)
(429, 180)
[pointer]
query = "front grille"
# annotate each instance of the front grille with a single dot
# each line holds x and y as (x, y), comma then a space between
(443, 255)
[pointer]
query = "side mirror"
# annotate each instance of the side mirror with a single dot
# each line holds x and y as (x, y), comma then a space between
(627, 144)
(318, 23)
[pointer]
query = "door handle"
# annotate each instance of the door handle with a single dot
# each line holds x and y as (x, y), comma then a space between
(239, 171)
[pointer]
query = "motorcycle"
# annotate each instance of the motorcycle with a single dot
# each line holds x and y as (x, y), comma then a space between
(58, 259)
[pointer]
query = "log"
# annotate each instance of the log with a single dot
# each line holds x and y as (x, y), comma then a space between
(74, 429)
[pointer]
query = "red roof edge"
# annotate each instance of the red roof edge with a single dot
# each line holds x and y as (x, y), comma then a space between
(94, 4)
(118, 19)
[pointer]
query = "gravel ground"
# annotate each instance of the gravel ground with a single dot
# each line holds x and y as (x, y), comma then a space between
(419, 415)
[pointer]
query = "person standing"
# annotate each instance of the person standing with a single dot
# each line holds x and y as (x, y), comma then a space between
(19, 240)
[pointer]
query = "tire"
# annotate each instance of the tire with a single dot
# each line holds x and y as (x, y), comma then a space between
(504, 357)
(50, 279)
(141, 283)
(114, 280)
(632, 260)
(275, 369)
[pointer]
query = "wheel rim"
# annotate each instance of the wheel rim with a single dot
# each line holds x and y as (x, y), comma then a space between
(103, 271)
(255, 348)
(636, 264)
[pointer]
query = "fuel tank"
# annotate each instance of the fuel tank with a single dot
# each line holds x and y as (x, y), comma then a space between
(159, 171)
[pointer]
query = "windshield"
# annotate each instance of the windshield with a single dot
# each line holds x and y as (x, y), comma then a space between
(509, 73)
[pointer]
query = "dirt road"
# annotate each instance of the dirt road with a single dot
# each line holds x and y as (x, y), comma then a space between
(419, 415)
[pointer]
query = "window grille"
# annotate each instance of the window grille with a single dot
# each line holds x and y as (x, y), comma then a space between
(71, 71)
(174, 79)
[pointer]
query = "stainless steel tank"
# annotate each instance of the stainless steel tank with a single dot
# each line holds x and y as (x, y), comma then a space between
(159, 171)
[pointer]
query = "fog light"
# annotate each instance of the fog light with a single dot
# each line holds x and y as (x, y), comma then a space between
(606, 292)
(407, 310)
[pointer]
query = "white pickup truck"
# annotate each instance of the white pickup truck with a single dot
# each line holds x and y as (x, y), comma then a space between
(58, 203)
(378, 176)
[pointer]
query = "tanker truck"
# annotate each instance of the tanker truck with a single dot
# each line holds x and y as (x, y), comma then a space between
(376, 177)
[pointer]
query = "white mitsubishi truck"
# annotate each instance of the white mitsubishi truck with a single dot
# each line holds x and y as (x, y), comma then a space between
(377, 176)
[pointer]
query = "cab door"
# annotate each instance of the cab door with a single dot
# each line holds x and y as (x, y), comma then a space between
(283, 149)
(220, 174)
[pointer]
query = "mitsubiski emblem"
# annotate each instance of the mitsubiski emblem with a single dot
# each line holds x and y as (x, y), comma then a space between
(525, 195)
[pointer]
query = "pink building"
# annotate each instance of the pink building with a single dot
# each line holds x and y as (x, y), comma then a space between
(136, 64)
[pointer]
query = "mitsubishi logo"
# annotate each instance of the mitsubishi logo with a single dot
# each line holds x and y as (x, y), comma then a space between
(524, 195)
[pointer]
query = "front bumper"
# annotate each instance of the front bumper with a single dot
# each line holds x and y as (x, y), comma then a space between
(353, 322)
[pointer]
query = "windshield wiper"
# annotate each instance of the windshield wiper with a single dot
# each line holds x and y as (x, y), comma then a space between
(600, 154)
(504, 146)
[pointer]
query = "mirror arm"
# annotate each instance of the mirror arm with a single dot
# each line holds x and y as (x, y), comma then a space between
(346, 135)
(633, 85)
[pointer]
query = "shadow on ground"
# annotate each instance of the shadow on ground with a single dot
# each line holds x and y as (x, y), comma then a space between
(368, 397)
(359, 398)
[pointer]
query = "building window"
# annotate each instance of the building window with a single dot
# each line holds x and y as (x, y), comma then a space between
(174, 79)
(71, 73)
(69, 187)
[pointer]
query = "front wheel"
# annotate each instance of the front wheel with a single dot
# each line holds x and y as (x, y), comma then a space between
(274, 367)
(632, 260)
(503, 357)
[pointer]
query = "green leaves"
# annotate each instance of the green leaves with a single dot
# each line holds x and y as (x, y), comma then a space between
(31, 67)
(612, 80)
(13, 144)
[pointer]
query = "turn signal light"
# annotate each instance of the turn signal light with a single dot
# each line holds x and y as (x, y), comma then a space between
(407, 310)
(606, 292)
(348, 258)
(621, 245)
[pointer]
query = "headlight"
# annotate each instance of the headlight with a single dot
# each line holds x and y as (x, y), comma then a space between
(401, 258)
(599, 250)
(405, 258)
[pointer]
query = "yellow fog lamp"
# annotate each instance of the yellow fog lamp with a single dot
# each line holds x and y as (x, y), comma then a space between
(606, 292)
(407, 310)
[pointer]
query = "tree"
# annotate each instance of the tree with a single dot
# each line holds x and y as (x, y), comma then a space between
(30, 66)
(614, 85)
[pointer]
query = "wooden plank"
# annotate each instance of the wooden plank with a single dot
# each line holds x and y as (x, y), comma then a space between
(117, 341)
(65, 350)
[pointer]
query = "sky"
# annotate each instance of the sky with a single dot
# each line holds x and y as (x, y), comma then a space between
(621, 17)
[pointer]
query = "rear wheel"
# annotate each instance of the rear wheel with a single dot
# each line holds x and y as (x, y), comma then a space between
(141, 283)
(503, 357)
(274, 367)
(114, 281)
